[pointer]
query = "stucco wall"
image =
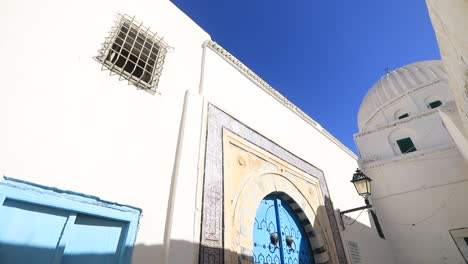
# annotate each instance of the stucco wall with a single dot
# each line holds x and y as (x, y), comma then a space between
(227, 88)
(425, 130)
(66, 123)
(451, 28)
(70, 125)
(418, 202)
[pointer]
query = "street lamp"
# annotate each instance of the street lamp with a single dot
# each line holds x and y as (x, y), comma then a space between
(362, 183)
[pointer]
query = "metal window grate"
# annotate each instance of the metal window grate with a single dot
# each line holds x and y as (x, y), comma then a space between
(134, 53)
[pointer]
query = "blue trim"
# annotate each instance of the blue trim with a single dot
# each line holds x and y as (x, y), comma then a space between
(2, 198)
(61, 244)
(24, 191)
(276, 199)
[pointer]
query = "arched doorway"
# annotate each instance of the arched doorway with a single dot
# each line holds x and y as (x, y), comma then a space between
(278, 235)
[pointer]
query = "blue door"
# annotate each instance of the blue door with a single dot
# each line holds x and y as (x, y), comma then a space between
(41, 225)
(278, 236)
(92, 240)
(29, 233)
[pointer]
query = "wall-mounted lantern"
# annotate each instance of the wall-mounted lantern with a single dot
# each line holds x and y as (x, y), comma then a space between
(362, 183)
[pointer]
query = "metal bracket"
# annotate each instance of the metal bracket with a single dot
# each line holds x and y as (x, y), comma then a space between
(374, 217)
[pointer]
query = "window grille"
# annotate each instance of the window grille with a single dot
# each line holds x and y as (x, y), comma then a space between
(133, 52)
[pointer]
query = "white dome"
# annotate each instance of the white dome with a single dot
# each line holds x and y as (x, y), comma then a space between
(396, 83)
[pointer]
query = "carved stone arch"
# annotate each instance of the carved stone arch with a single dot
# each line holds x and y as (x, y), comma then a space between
(253, 192)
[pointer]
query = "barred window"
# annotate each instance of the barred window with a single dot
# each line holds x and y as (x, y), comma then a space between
(134, 53)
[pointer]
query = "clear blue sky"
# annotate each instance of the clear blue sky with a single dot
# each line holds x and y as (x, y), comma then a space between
(323, 55)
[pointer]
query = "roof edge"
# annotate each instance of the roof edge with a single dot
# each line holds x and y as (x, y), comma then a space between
(257, 80)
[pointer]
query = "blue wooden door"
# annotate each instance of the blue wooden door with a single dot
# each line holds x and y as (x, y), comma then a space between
(266, 233)
(31, 233)
(92, 240)
(278, 236)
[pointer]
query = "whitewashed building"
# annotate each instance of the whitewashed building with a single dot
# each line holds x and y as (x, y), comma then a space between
(413, 144)
(129, 135)
(408, 147)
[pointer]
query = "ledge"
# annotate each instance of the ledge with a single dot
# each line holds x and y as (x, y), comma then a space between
(257, 80)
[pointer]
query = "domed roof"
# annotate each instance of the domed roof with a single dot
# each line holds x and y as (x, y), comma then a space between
(396, 83)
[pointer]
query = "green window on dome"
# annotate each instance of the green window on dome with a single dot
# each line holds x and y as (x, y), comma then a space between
(406, 145)
(435, 104)
(403, 116)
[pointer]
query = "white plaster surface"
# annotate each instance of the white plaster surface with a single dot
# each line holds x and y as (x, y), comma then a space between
(419, 195)
(229, 90)
(451, 28)
(66, 123)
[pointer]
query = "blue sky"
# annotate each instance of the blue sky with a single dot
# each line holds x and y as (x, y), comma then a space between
(323, 55)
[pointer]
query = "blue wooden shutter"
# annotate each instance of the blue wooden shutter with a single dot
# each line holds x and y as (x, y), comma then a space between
(29, 233)
(40, 224)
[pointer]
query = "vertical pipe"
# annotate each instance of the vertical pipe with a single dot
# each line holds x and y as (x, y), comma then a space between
(174, 180)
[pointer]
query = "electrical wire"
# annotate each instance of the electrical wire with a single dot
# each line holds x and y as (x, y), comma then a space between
(355, 218)
(442, 206)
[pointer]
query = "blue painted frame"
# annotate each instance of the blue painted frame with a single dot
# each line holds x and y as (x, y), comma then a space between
(28, 192)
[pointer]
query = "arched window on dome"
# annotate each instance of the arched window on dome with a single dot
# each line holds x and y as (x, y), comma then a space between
(400, 114)
(435, 104)
(433, 101)
(405, 115)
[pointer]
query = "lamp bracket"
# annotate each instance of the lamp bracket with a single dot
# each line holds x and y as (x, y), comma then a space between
(355, 209)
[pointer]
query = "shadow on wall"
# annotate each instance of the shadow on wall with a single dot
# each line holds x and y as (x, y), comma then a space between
(149, 254)
(322, 250)
(142, 254)
(25, 254)
(183, 252)
(361, 242)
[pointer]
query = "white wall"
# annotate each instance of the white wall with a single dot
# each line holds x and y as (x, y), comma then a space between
(419, 196)
(228, 89)
(426, 131)
(66, 123)
(418, 201)
(70, 125)
(451, 28)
